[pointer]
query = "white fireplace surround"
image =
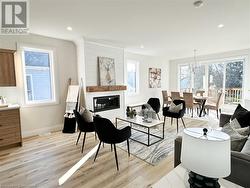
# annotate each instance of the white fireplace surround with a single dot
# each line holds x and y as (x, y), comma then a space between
(91, 53)
(111, 114)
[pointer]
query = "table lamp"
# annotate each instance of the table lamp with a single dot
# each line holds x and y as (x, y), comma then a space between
(207, 155)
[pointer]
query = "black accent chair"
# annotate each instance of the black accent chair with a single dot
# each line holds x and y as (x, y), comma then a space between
(107, 133)
(155, 104)
(177, 116)
(83, 126)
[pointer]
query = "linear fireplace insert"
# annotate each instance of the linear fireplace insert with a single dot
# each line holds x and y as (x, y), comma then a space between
(106, 103)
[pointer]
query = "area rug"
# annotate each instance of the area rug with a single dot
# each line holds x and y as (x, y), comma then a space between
(159, 151)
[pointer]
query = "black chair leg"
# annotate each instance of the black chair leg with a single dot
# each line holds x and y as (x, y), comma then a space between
(158, 116)
(183, 123)
(78, 137)
(171, 121)
(128, 147)
(95, 135)
(164, 120)
(97, 151)
(217, 111)
(177, 125)
(83, 142)
(116, 158)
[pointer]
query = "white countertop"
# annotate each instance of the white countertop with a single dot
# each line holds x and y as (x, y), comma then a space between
(10, 107)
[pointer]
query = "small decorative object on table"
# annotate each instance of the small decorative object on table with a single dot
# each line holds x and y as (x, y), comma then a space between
(207, 155)
(131, 113)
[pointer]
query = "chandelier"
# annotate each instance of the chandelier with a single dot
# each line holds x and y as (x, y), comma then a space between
(195, 64)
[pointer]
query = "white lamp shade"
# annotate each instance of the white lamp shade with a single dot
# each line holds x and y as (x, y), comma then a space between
(209, 155)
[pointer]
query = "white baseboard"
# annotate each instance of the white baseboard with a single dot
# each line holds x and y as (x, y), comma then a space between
(42, 131)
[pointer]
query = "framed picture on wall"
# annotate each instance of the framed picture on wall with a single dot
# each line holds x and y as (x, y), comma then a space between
(106, 71)
(154, 78)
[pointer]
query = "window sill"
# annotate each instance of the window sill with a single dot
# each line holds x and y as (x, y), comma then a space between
(42, 104)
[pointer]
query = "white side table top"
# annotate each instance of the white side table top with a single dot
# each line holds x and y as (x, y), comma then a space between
(178, 177)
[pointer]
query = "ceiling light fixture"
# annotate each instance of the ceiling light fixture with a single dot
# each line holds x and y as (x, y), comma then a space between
(220, 26)
(69, 28)
(142, 46)
(198, 4)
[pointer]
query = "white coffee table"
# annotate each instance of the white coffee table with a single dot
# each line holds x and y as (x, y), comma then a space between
(178, 177)
(138, 120)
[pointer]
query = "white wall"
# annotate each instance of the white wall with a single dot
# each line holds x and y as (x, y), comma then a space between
(146, 62)
(213, 57)
(92, 51)
(35, 120)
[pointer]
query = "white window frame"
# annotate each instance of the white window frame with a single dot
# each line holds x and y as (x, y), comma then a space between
(225, 61)
(52, 76)
(137, 77)
(31, 82)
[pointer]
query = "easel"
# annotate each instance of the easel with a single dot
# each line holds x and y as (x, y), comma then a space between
(72, 102)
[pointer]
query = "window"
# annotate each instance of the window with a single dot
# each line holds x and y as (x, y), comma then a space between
(185, 78)
(199, 78)
(38, 76)
(224, 75)
(132, 77)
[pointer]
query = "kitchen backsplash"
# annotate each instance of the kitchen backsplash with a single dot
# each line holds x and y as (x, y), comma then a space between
(12, 94)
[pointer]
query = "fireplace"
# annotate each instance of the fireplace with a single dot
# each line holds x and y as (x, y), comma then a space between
(106, 103)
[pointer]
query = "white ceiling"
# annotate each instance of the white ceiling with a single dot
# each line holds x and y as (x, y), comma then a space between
(171, 28)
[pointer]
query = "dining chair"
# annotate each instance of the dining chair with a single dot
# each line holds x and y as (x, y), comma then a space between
(107, 133)
(165, 98)
(83, 126)
(190, 103)
(210, 105)
(175, 95)
(176, 115)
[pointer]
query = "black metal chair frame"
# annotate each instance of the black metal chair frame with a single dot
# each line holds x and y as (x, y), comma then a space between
(83, 126)
(108, 134)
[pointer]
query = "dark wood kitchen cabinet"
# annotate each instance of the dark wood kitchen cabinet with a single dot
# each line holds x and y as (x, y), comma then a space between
(7, 68)
(10, 128)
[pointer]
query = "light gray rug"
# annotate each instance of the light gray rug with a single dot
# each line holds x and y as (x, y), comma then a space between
(159, 151)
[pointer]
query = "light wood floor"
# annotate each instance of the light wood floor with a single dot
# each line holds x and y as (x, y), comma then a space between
(44, 159)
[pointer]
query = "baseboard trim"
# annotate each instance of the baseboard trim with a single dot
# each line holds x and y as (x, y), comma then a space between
(42, 131)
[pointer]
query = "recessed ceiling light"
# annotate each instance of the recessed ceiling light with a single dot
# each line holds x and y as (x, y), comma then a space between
(220, 26)
(142, 46)
(198, 4)
(69, 28)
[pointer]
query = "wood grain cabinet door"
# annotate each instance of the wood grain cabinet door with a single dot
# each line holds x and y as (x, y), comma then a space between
(7, 68)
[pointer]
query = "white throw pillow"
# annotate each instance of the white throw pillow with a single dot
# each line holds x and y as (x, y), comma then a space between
(175, 108)
(235, 124)
(86, 114)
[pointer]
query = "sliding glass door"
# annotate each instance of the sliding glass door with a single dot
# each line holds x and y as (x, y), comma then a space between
(234, 82)
(215, 80)
(226, 77)
(199, 78)
(185, 78)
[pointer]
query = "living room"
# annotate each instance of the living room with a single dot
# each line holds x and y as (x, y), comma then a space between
(110, 58)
